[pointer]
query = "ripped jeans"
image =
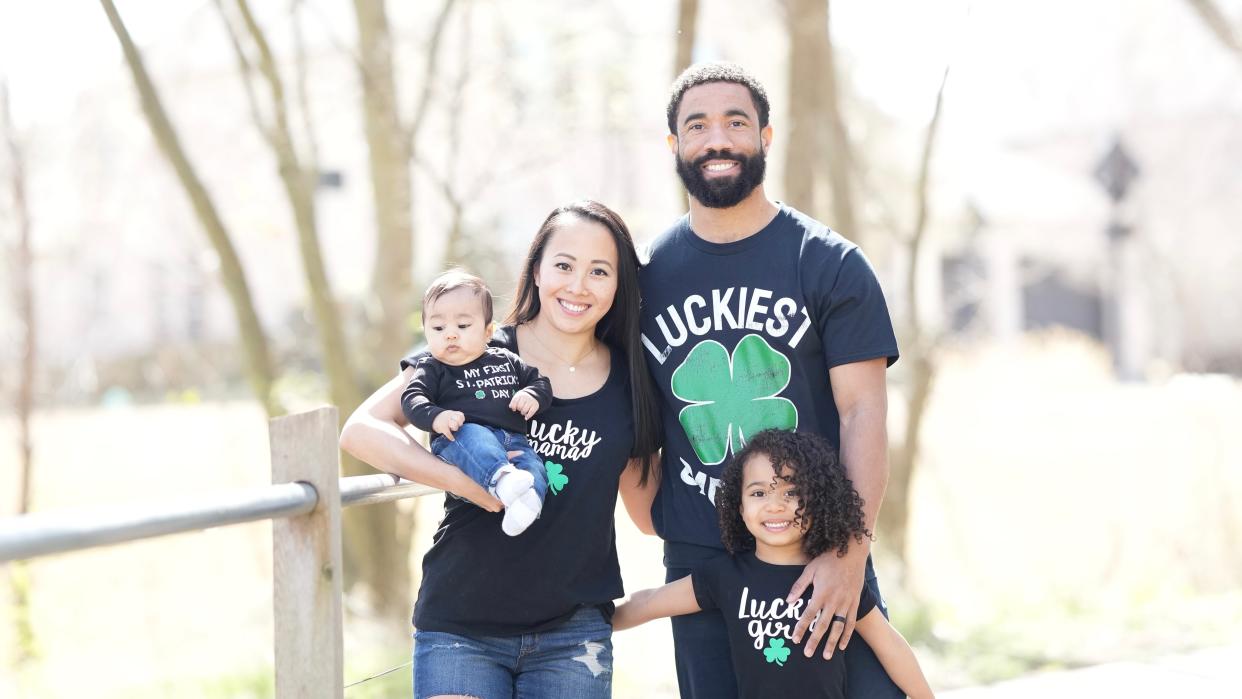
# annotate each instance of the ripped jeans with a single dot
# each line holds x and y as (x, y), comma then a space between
(571, 660)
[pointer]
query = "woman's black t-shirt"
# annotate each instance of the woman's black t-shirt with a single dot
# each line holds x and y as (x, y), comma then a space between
(751, 595)
(477, 581)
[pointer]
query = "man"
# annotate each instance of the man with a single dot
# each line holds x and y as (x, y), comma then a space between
(757, 316)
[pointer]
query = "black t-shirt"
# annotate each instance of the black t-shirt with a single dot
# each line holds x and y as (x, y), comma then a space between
(481, 389)
(740, 337)
(479, 581)
(750, 594)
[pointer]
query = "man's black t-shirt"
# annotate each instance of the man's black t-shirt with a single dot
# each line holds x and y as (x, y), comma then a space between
(750, 594)
(479, 581)
(740, 338)
(481, 389)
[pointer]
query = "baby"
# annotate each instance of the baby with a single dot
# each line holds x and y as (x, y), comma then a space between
(477, 398)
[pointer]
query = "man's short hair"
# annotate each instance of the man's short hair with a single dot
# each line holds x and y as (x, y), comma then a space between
(718, 72)
(458, 279)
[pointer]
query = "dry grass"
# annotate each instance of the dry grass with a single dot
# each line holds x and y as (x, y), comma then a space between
(1060, 519)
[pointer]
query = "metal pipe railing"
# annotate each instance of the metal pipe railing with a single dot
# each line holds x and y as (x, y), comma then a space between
(45, 533)
(305, 506)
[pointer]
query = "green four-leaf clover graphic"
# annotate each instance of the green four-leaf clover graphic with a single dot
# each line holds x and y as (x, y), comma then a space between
(732, 398)
(556, 477)
(776, 652)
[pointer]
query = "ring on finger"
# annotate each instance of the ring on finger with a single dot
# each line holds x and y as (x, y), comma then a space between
(836, 618)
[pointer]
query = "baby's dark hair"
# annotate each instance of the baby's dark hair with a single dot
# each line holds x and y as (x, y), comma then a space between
(827, 499)
(458, 279)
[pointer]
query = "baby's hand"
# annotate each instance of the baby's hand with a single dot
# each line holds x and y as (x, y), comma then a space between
(448, 422)
(523, 402)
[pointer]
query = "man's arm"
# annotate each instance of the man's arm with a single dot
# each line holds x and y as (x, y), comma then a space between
(860, 391)
(638, 498)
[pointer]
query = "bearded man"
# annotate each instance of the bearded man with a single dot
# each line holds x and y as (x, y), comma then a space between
(757, 316)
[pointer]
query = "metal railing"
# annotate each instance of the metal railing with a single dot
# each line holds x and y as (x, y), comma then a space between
(304, 504)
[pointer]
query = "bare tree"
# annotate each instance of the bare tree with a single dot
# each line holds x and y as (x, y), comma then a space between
(23, 292)
(687, 21)
(298, 176)
(817, 127)
(376, 548)
(1218, 24)
(687, 33)
(393, 146)
(919, 349)
(232, 275)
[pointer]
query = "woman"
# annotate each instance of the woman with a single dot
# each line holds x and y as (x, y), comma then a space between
(531, 615)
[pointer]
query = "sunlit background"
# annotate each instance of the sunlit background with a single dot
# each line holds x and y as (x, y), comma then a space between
(1051, 193)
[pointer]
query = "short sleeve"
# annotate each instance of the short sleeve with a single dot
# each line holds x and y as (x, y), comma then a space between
(852, 316)
(413, 358)
(705, 591)
(866, 602)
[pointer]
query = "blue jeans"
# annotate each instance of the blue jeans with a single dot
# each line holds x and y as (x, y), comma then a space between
(571, 660)
(701, 642)
(480, 451)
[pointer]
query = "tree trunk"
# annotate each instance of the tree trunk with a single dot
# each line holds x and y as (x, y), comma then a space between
(687, 33)
(374, 554)
(894, 520)
(818, 139)
(687, 21)
(254, 342)
(299, 185)
(919, 354)
(23, 283)
(392, 287)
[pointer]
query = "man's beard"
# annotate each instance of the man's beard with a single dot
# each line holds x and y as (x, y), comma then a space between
(721, 192)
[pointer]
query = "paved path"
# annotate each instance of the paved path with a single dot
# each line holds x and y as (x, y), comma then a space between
(1214, 672)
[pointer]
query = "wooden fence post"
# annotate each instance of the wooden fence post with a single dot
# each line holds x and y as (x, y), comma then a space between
(306, 551)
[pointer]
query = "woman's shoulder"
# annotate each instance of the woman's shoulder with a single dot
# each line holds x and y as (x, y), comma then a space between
(505, 337)
(415, 357)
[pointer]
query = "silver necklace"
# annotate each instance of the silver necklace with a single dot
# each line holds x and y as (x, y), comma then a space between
(572, 365)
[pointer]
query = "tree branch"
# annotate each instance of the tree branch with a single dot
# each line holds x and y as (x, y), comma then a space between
(258, 360)
(429, 72)
(303, 90)
(1218, 24)
(247, 72)
(917, 237)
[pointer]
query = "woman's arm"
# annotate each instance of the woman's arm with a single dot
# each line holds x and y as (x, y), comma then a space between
(895, 654)
(375, 433)
(638, 498)
(673, 599)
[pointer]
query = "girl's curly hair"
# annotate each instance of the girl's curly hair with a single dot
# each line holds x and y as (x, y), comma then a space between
(827, 500)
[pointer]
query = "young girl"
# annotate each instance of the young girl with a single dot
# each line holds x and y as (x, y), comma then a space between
(783, 500)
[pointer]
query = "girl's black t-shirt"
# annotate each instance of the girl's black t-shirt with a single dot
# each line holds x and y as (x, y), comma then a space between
(478, 581)
(750, 594)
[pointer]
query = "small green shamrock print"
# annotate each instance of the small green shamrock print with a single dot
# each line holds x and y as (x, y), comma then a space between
(732, 397)
(479, 394)
(557, 480)
(776, 652)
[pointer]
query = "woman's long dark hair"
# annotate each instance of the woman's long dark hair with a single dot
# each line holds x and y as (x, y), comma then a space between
(618, 327)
